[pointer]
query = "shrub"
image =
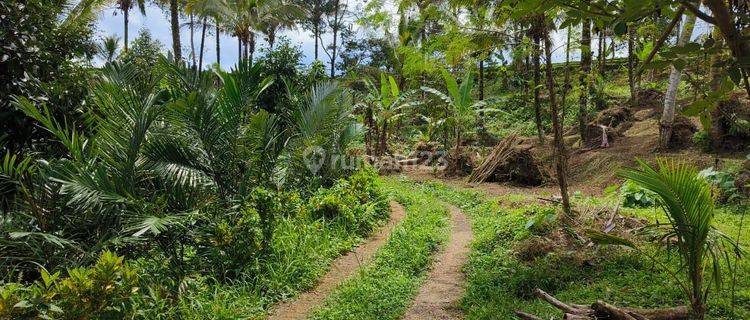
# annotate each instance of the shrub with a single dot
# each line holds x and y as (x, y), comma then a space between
(723, 184)
(635, 196)
(102, 291)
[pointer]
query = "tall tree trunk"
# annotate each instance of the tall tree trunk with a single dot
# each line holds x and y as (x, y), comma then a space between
(239, 50)
(218, 44)
(631, 65)
(601, 58)
(192, 38)
(566, 85)
(316, 14)
(561, 165)
(667, 116)
(174, 12)
(584, 77)
(335, 29)
(125, 13)
(250, 48)
(481, 79)
(203, 41)
(537, 80)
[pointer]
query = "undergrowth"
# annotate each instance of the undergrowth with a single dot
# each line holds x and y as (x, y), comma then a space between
(500, 282)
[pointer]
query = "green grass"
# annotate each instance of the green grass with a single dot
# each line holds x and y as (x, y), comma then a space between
(499, 284)
(386, 286)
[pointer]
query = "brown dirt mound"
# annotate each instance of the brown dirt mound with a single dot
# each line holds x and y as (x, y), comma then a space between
(649, 99)
(521, 168)
(426, 152)
(387, 165)
(596, 135)
(682, 132)
(460, 163)
(613, 117)
(730, 130)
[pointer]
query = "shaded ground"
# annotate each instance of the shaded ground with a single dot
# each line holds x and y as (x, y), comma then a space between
(439, 296)
(341, 269)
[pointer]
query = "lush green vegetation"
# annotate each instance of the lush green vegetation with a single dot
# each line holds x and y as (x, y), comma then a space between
(144, 183)
(502, 276)
(385, 287)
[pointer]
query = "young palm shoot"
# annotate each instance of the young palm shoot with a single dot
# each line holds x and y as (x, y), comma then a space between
(688, 203)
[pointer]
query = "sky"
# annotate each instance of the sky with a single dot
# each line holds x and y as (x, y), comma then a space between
(156, 20)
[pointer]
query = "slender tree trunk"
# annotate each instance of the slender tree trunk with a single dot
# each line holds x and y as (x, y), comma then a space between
(566, 85)
(584, 78)
(537, 80)
(667, 116)
(203, 41)
(174, 12)
(192, 38)
(125, 13)
(481, 79)
(250, 48)
(601, 53)
(316, 25)
(335, 29)
(218, 44)
(631, 65)
(239, 50)
(560, 154)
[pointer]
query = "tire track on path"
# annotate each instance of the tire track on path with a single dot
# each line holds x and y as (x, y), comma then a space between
(341, 269)
(439, 296)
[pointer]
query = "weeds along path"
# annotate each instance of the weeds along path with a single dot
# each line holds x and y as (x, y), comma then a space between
(341, 269)
(439, 296)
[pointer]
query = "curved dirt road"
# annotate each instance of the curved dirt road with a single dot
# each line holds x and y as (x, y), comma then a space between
(439, 296)
(341, 269)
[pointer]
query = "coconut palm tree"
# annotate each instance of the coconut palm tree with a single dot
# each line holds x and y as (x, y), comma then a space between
(272, 16)
(205, 9)
(125, 6)
(107, 49)
(688, 202)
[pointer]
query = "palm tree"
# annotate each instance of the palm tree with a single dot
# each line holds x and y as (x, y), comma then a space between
(688, 202)
(271, 16)
(214, 9)
(125, 6)
(108, 48)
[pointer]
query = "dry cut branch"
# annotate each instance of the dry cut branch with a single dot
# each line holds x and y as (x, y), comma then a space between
(603, 310)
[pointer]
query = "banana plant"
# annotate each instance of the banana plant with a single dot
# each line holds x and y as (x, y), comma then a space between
(462, 109)
(383, 104)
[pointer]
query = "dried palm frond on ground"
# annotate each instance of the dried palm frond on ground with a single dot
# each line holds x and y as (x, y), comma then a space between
(497, 157)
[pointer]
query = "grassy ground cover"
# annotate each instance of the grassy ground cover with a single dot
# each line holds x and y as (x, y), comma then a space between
(385, 287)
(501, 281)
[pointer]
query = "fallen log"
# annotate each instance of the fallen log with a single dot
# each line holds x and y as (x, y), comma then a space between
(603, 310)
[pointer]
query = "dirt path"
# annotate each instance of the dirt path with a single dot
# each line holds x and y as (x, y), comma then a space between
(341, 269)
(439, 296)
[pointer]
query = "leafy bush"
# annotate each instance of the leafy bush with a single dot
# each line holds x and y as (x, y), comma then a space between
(635, 196)
(102, 291)
(723, 183)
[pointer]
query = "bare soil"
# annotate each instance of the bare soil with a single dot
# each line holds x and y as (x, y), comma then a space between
(341, 269)
(439, 296)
